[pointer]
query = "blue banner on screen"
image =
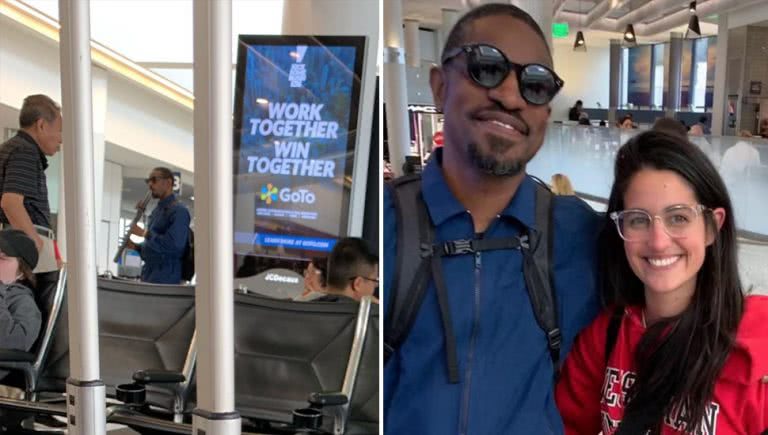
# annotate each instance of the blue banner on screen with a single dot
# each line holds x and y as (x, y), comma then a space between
(296, 110)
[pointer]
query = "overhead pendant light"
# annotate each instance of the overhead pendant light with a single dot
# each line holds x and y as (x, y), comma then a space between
(693, 31)
(579, 44)
(692, 7)
(629, 35)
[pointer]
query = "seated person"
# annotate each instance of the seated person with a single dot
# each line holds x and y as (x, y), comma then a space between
(353, 271)
(574, 114)
(626, 122)
(670, 126)
(315, 277)
(20, 317)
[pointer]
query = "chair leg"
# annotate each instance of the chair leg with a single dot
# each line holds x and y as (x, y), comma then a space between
(30, 392)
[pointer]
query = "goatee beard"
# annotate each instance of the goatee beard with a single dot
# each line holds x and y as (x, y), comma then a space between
(490, 164)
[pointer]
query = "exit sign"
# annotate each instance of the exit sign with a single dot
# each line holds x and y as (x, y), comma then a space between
(559, 30)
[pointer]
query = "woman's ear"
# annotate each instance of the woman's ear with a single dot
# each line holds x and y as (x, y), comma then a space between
(718, 215)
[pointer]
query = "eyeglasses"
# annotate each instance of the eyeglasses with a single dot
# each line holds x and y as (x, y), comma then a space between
(154, 178)
(376, 280)
(489, 67)
(634, 225)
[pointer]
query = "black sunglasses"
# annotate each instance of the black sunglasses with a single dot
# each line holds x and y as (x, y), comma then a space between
(488, 67)
(154, 178)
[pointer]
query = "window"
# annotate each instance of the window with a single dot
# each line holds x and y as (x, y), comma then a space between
(639, 76)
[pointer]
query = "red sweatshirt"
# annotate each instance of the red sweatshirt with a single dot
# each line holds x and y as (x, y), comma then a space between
(591, 396)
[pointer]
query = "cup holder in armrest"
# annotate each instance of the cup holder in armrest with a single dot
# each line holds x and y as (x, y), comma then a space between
(131, 394)
(307, 418)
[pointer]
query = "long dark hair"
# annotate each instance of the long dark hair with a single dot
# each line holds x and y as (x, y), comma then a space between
(678, 359)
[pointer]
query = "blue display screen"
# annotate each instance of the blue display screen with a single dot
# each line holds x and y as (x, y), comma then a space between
(296, 110)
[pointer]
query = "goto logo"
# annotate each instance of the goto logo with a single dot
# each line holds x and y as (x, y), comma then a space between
(302, 196)
(269, 193)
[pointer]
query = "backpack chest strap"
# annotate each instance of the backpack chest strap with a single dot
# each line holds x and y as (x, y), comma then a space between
(471, 246)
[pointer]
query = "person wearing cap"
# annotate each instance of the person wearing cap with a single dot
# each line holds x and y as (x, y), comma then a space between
(23, 161)
(20, 317)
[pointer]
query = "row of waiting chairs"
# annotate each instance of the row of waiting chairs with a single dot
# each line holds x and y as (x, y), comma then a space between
(284, 350)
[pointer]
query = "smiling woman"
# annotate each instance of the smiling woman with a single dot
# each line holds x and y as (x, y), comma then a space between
(684, 348)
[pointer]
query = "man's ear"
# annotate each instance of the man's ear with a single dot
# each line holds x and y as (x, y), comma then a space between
(437, 83)
(355, 283)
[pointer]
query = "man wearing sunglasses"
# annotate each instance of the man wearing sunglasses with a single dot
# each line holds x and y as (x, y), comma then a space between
(494, 86)
(167, 233)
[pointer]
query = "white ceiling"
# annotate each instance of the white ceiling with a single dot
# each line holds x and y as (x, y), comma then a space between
(429, 15)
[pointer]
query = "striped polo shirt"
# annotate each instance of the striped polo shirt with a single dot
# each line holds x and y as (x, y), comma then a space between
(22, 171)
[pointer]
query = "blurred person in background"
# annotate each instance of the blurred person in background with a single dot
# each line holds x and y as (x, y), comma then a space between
(561, 185)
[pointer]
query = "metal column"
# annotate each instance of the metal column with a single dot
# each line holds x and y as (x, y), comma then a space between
(395, 95)
(85, 391)
(675, 73)
(450, 16)
(614, 80)
(719, 104)
(412, 44)
(214, 300)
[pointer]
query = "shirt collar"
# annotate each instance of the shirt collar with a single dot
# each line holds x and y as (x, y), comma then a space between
(442, 205)
(167, 200)
(27, 137)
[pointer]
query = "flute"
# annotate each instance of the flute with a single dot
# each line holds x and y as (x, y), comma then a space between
(139, 213)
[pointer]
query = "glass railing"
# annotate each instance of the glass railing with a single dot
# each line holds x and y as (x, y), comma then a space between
(586, 155)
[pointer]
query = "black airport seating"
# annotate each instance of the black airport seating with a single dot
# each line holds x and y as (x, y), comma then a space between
(141, 326)
(285, 350)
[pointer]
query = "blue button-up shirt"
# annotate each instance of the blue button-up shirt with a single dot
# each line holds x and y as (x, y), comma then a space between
(505, 369)
(165, 244)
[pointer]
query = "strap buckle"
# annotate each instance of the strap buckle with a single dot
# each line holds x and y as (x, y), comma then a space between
(525, 241)
(426, 250)
(458, 247)
(555, 338)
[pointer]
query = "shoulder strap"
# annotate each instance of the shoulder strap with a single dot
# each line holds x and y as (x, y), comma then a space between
(416, 258)
(411, 273)
(612, 332)
(537, 270)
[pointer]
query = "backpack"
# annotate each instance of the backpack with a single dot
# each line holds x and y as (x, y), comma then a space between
(188, 258)
(419, 260)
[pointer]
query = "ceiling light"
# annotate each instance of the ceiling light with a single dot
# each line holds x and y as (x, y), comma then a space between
(629, 35)
(579, 44)
(694, 31)
(692, 7)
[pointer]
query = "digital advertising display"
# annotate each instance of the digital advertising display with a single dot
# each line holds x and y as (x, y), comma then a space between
(296, 113)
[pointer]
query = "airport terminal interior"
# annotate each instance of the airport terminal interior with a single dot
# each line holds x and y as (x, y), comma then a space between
(340, 90)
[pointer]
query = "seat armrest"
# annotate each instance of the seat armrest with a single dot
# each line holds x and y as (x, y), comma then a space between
(327, 398)
(8, 355)
(158, 377)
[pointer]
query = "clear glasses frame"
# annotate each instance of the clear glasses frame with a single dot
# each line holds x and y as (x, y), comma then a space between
(674, 221)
